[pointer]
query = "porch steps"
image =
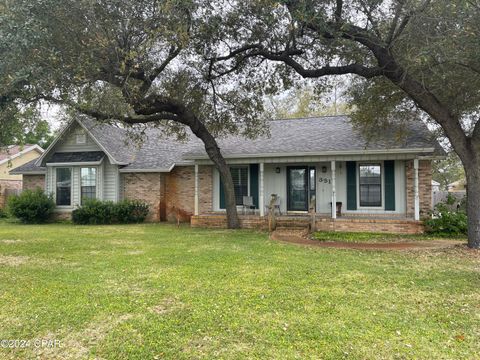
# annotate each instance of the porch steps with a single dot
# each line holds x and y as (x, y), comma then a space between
(293, 223)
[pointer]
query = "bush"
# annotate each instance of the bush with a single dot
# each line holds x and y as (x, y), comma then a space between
(3, 214)
(447, 219)
(108, 212)
(31, 206)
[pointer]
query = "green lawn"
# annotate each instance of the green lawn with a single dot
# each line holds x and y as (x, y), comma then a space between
(377, 237)
(158, 292)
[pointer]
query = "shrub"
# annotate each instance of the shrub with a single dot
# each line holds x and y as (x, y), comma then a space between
(3, 214)
(31, 206)
(108, 212)
(447, 219)
(131, 211)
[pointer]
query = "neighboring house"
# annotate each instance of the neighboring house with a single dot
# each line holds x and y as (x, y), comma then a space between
(459, 185)
(435, 186)
(11, 157)
(382, 185)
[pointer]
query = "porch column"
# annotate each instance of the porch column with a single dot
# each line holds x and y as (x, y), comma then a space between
(334, 194)
(196, 190)
(261, 198)
(415, 190)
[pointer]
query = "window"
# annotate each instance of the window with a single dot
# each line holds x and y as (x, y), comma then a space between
(240, 183)
(64, 187)
(88, 183)
(370, 185)
(81, 138)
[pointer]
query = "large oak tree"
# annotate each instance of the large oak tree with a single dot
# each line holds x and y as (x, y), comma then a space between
(404, 58)
(133, 61)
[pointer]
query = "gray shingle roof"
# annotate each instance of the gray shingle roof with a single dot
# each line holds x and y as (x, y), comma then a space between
(317, 135)
(73, 157)
(323, 134)
(28, 168)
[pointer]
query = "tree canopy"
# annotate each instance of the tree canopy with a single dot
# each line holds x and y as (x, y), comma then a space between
(409, 58)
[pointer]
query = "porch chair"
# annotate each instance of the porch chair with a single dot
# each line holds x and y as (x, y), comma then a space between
(248, 204)
(276, 204)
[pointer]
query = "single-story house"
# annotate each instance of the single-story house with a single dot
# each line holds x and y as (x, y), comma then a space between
(308, 164)
(12, 157)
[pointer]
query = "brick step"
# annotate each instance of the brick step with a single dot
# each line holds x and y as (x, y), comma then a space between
(291, 227)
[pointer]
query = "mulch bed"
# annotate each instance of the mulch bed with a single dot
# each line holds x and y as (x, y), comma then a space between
(302, 240)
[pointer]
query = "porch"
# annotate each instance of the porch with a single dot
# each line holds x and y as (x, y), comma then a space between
(371, 189)
(367, 223)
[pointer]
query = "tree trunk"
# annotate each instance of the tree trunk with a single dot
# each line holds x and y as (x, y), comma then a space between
(472, 172)
(213, 151)
(157, 105)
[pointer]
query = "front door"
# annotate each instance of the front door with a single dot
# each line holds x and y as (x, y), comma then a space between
(300, 183)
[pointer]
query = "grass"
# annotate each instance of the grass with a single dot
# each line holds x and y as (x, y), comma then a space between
(378, 237)
(158, 292)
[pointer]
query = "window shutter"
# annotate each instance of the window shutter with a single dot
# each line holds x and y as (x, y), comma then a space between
(389, 167)
(254, 183)
(222, 195)
(351, 185)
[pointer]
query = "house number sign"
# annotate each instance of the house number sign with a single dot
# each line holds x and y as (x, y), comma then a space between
(324, 180)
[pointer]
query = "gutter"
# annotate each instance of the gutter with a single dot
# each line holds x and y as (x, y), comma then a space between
(321, 153)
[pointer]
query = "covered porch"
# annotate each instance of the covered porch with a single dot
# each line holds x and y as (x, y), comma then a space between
(370, 188)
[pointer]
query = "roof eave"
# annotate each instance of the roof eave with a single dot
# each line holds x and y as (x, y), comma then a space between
(64, 130)
(147, 170)
(317, 153)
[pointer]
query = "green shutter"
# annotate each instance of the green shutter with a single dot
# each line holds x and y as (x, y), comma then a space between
(351, 185)
(389, 167)
(222, 195)
(254, 183)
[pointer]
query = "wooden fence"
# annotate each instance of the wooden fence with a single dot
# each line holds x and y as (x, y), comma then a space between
(5, 194)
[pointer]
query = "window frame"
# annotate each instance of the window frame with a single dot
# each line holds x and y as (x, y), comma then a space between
(83, 135)
(247, 167)
(71, 187)
(96, 183)
(382, 181)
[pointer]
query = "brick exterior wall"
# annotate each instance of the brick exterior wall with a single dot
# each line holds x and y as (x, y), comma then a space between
(339, 225)
(171, 195)
(180, 192)
(148, 187)
(424, 187)
(31, 182)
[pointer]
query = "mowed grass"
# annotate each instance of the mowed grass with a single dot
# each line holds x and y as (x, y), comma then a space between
(369, 237)
(161, 292)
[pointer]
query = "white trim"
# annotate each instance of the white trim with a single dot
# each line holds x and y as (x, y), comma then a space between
(63, 131)
(54, 142)
(334, 194)
(196, 191)
(318, 153)
(83, 163)
(415, 190)
(71, 206)
(20, 153)
(149, 170)
(110, 157)
(261, 189)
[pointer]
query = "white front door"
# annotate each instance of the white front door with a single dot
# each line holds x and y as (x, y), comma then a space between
(324, 188)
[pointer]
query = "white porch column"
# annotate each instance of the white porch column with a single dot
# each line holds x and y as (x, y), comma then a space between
(415, 190)
(196, 190)
(334, 192)
(261, 190)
